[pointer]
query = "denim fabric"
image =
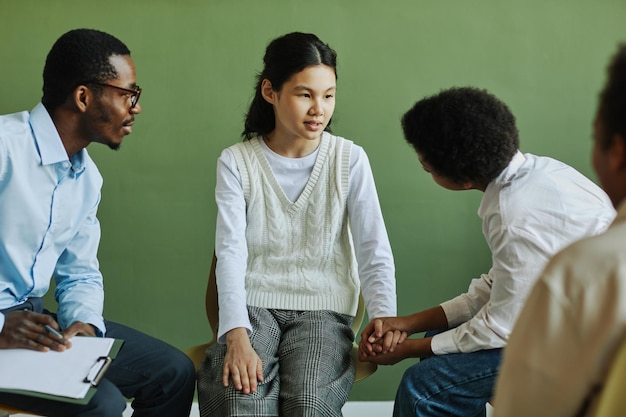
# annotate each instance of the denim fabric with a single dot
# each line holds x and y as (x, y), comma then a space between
(458, 384)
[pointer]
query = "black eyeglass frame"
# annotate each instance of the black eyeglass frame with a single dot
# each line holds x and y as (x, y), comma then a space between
(135, 93)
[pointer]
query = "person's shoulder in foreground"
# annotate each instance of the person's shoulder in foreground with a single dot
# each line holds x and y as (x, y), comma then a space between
(574, 320)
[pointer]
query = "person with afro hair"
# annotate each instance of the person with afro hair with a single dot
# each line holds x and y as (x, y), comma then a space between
(532, 206)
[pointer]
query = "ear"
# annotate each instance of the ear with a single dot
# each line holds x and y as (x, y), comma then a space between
(617, 153)
(267, 91)
(470, 185)
(82, 97)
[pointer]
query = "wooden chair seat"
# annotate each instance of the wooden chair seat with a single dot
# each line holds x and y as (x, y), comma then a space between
(5, 410)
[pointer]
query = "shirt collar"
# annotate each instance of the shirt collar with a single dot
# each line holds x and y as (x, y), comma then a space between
(51, 149)
(47, 138)
(508, 173)
(501, 181)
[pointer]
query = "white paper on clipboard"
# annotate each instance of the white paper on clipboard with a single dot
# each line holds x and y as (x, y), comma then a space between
(64, 374)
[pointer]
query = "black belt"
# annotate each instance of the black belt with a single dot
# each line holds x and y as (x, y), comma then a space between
(32, 304)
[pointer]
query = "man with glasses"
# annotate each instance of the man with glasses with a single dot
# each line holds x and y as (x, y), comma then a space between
(49, 194)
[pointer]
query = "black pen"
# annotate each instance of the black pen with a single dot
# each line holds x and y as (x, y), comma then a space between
(54, 332)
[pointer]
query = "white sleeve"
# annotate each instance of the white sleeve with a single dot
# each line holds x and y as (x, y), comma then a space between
(371, 243)
(488, 311)
(230, 247)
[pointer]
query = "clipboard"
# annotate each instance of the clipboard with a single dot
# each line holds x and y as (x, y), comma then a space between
(97, 371)
(36, 374)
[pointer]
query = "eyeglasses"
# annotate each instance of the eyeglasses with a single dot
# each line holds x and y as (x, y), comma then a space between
(134, 93)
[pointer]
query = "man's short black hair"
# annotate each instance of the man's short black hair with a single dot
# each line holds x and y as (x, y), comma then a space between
(80, 56)
(463, 133)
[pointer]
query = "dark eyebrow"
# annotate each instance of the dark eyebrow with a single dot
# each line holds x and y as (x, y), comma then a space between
(303, 87)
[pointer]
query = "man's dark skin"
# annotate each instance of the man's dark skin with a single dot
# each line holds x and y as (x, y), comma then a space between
(83, 118)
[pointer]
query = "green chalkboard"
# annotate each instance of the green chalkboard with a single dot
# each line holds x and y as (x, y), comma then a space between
(196, 61)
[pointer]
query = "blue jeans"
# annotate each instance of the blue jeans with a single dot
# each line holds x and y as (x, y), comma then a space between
(159, 378)
(458, 384)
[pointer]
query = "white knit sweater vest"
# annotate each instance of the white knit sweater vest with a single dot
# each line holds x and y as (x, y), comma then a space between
(300, 255)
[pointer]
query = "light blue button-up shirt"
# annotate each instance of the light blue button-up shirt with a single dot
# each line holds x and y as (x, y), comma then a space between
(48, 224)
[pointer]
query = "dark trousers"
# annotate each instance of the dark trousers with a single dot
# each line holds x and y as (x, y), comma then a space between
(158, 378)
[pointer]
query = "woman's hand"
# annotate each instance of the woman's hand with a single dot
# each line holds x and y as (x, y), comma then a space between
(382, 335)
(242, 365)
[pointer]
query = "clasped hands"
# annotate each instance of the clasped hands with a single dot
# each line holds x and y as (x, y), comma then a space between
(382, 341)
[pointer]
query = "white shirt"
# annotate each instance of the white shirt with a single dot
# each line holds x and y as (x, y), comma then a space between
(371, 243)
(569, 331)
(533, 209)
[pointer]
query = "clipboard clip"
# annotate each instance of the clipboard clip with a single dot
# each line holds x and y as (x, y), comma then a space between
(97, 371)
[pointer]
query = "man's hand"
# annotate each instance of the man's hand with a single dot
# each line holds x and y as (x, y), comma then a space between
(408, 349)
(241, 364)
(79, 329)
(382, 335)
(26, 330)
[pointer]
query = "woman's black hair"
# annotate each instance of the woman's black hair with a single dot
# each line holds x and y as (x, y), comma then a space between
(284, 57)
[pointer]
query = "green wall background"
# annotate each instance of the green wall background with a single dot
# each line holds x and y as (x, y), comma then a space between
(196, 61)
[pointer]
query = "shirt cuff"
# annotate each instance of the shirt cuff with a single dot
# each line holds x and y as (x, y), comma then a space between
(443, 343)
(221, 336)
(456, 311)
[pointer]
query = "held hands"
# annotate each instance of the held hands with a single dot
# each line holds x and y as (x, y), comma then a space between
(27, 330)
(241, 364)
(380, 340)
(384, 340)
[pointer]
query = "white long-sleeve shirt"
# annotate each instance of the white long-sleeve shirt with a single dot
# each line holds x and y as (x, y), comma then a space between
(371, 243)
(533, 209)
(568, 332)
